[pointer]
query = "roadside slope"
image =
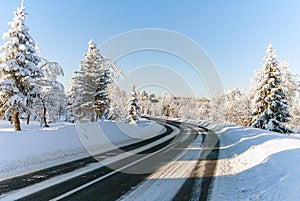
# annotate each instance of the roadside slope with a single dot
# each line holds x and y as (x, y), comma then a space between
(256, 165)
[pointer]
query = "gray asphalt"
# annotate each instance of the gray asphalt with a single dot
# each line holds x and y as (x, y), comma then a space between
(118, 184)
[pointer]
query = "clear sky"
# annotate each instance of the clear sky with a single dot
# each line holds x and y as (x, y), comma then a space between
(234, 33)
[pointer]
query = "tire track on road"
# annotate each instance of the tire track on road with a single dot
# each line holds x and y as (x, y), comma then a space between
(198, 186)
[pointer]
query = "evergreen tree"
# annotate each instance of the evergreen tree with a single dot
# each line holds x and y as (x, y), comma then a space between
(73, 100)
(270, 106)
(102, 102)
(133, 111)
(88, 98)
(19, 70)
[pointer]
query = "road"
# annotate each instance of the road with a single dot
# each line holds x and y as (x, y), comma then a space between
(137, 175)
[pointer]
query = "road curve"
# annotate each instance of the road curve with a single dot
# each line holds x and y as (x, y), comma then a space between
(117, 180)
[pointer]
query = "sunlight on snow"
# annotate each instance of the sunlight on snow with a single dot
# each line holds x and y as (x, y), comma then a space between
(254, 156)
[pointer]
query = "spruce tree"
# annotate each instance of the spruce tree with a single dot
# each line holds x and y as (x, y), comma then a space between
(88, 98)
(102, 102)
(133, 111)
(73, 100)
(270, 106)
(19, 70)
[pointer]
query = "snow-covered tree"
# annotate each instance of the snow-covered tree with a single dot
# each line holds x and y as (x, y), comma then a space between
(270, 105)
(291, 85)
(143, 101)
(84, 85)
(73, 101)
(88, 98)
(146, 102)
(238, 107)
(154, 109)
(167, 105)
(52, 96)
(133, 111)
(203, 109)
(118, 101)
(289, 80)
(19, 70)
(191, 107)
(102, 102)
(217, 108)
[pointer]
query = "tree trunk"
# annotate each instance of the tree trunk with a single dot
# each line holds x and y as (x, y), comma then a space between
(16, 121)
(97, 117)
(94, 117)
(28, 119)
(44, 115)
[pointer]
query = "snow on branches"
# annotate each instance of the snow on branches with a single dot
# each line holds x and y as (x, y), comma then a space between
(26, 79)
(270, 105)
(19, 69)
(133, 111)
(88, 98)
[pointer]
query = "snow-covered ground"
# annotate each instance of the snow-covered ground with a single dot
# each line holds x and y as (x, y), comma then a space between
(256, 165)
(37, 147)
(253, 164)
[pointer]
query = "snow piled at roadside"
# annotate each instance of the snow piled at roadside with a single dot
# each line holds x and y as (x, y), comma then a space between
(36, 147)
(256, 165)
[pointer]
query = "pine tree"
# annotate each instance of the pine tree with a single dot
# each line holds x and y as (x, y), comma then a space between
(88, 98)
(73, 100)
(102, 102)
(19, 70)
(133, 111)
(270, 106)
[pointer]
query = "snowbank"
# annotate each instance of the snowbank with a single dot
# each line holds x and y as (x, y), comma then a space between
(36, 148)
(256, 165)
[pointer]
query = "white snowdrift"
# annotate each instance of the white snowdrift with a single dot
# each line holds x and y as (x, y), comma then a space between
(256, 165)
(36, 148)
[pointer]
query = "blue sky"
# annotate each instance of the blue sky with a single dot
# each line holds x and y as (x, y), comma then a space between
(234, 33)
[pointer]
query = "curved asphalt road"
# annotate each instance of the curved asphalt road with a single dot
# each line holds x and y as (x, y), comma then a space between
(120, 183)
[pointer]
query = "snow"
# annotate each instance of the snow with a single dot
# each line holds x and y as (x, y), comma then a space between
(16, 99)
(16, 195)
(253, 164)
(36, 147)
(256, 165)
